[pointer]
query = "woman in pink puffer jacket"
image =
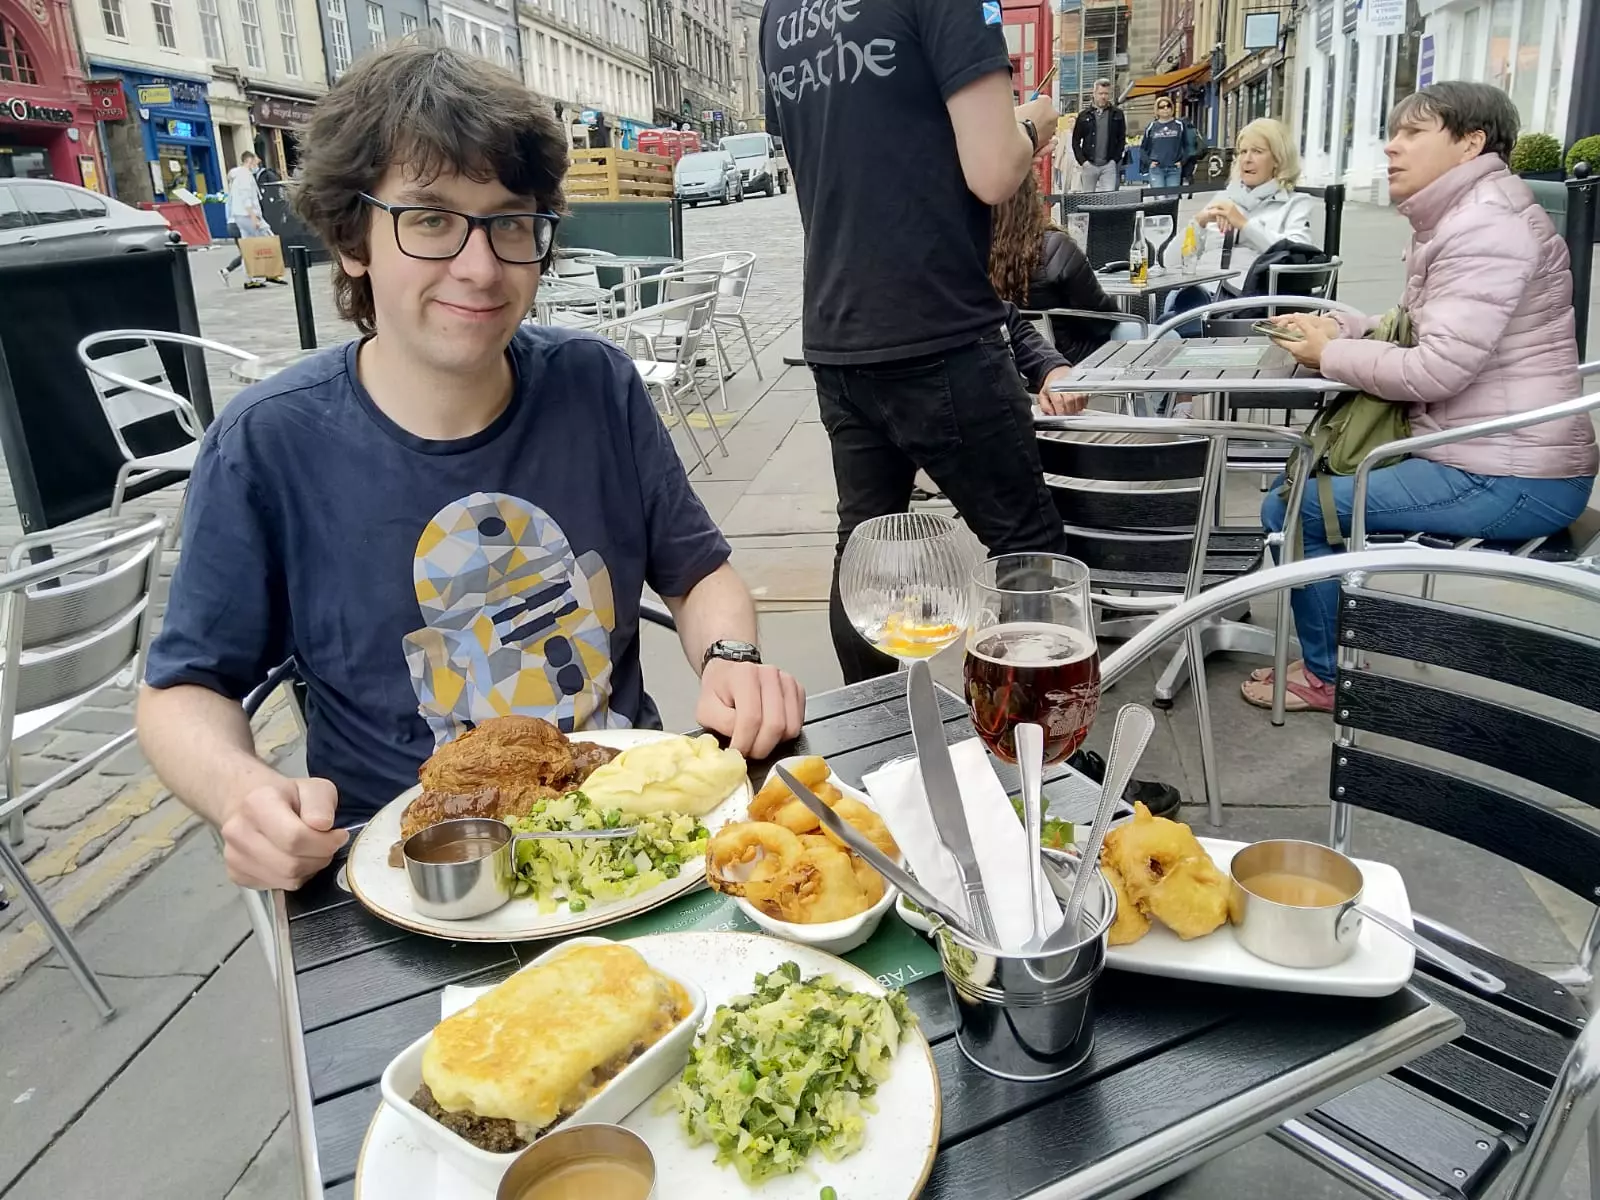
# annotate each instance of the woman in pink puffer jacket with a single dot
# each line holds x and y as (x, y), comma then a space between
(1489, 292)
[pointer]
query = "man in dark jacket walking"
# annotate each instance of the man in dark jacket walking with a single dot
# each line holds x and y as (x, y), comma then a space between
(1098, 139)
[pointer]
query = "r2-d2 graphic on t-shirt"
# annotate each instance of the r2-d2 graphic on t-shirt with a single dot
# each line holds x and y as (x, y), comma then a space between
(513, 621)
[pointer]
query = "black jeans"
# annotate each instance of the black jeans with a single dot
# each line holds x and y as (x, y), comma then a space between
(963, 417)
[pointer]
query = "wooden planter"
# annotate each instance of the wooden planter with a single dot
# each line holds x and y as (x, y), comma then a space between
(618, 175)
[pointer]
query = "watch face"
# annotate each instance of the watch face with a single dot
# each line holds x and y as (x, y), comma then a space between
(734, 652)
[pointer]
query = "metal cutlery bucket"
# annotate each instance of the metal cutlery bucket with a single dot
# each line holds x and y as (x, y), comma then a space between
(1030, 1019)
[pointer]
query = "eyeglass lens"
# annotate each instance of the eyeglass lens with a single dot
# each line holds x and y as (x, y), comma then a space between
(439, 233)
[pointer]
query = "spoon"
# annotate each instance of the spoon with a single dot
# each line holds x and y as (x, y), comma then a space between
(1134, 726)
(1029, 739)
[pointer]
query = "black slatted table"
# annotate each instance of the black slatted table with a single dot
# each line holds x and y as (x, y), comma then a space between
(1180, 1072)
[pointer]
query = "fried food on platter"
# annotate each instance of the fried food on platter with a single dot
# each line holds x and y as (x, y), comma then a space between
(753, 859)
(1131, 924)
(1160, 870)
(502, 804)
(867, 822)
(1192, 899)
(776, 803)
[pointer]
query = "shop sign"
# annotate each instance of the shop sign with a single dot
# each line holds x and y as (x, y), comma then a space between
(1325, 25)
(110, 104)
(1383, 18)
(162, 95)
(155, 96)
(1425, 56)
(1352, 15)
(26, 111)
(281, 113)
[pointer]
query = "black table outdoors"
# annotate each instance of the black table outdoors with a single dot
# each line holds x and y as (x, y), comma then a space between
(1180, 1072)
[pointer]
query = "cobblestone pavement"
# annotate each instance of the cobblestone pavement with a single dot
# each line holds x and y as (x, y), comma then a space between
(89, 840)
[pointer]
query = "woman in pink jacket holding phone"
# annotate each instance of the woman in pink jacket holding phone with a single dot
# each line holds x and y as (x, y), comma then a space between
(1489, 292)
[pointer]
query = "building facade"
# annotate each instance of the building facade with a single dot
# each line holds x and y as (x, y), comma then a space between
(591, 60)
(487, 28)
(666, 88)
(48, 116)
(1527, 47)
(1354, 62)
(706, 51)
(350, 28)
(750, 87)
(192, 79)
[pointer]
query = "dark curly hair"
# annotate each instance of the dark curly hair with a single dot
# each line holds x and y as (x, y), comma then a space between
(433, 110)
(1015, 238)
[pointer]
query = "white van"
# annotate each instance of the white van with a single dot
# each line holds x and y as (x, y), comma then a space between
(761, 162)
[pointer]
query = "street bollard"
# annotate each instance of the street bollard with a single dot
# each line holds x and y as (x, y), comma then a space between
(300, 278)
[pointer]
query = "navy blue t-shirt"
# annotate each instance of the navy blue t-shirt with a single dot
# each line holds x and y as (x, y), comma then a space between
(421, 585)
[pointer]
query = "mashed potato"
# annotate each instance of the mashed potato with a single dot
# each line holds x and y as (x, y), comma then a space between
(676, 774)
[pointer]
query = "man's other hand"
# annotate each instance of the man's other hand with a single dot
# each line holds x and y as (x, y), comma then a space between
(754, 706)
(281, 834)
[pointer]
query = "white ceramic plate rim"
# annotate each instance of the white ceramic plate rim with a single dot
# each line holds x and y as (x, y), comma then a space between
(1381, 965)
(383, 889)
(661, 948)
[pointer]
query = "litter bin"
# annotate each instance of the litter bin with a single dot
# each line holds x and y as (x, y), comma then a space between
(1214, 167)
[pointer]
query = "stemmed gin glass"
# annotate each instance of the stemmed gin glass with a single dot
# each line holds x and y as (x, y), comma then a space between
(904, 583)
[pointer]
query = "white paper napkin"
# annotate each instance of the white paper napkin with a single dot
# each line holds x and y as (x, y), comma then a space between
(998, 839)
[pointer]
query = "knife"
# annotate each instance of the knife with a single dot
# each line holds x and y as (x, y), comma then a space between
(944, 794)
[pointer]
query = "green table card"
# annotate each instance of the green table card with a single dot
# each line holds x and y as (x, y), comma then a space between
(895, 955)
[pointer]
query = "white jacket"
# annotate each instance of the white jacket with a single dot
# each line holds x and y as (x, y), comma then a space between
(1285, 215)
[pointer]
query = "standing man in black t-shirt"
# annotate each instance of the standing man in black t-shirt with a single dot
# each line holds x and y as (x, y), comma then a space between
(899, 124)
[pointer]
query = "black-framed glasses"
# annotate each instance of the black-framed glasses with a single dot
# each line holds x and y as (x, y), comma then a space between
(422, 231)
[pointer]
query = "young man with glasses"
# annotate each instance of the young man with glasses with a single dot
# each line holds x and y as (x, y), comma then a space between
(449, 519)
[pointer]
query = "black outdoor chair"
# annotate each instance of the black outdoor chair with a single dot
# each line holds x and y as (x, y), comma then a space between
(1111, 219)
(1504, 1107)
(1135, 496)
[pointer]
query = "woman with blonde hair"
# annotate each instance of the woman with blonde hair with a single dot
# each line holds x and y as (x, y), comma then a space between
(1260, 208)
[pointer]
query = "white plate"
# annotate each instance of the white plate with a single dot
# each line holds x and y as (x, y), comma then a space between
(892, 1164)
(1380, 966)
(387, 892)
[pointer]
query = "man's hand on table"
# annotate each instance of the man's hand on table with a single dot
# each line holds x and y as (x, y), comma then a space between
(754, 706)
(1060, 404)
(280, 834)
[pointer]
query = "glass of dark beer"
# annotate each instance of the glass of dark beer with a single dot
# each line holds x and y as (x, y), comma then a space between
(1031, 653)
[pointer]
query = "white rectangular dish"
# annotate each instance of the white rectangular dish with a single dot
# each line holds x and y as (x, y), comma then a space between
(634, 1084)
(1381, 965)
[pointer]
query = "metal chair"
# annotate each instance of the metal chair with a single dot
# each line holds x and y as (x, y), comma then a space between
(76, 621)
(1536, 1043)
(1111, 221)
(1149, 548)
(734, 270)
(681, 324)
(132, 386)
(1328, 271)
(1044, 320)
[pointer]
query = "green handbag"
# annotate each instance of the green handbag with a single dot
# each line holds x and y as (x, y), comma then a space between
(1352, 425)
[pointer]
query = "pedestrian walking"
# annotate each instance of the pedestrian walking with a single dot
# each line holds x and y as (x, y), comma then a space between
(1098, 139)
(245, 218)
(903, 330)
(1165, 145)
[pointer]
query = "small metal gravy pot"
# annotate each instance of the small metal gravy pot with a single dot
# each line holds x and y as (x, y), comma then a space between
(565, 1148)
(465, 868)
(1320, 935)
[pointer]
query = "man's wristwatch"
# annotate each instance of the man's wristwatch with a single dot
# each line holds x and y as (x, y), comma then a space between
(731, 651)
(1032, 130)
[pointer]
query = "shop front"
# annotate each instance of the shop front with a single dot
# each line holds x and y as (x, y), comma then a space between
(168, 141)
(628, 131)
(280, 123)
(1527, 48)
(47, 118)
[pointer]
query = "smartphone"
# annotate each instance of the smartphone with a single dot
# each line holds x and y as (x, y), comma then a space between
(1278, 333)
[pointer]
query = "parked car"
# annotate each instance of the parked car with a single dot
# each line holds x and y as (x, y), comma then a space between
(708, 175)
(43, 220)
(761, 162)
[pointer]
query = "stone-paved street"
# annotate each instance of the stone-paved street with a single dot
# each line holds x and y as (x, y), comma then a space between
(182, 1095)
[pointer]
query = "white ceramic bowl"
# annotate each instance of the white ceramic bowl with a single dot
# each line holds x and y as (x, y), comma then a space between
(632, 1086)
(833, 937)
(917, 920)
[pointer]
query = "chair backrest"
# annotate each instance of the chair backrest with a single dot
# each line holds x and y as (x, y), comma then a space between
(1320, 278)
(122, 403)
(79, 617)
(1111, 220)
(681, 321)
(1233, 317)
(1511, 694)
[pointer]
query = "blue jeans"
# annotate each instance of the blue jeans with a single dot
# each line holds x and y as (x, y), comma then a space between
(1164, 177)
(1418, 496)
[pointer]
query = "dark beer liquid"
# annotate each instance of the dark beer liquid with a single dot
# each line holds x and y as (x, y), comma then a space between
(1046, 674)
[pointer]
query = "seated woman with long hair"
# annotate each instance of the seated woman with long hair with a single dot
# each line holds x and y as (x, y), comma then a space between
(1489, 295)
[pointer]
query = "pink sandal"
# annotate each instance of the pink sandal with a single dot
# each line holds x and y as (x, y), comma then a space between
(1306, 693)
